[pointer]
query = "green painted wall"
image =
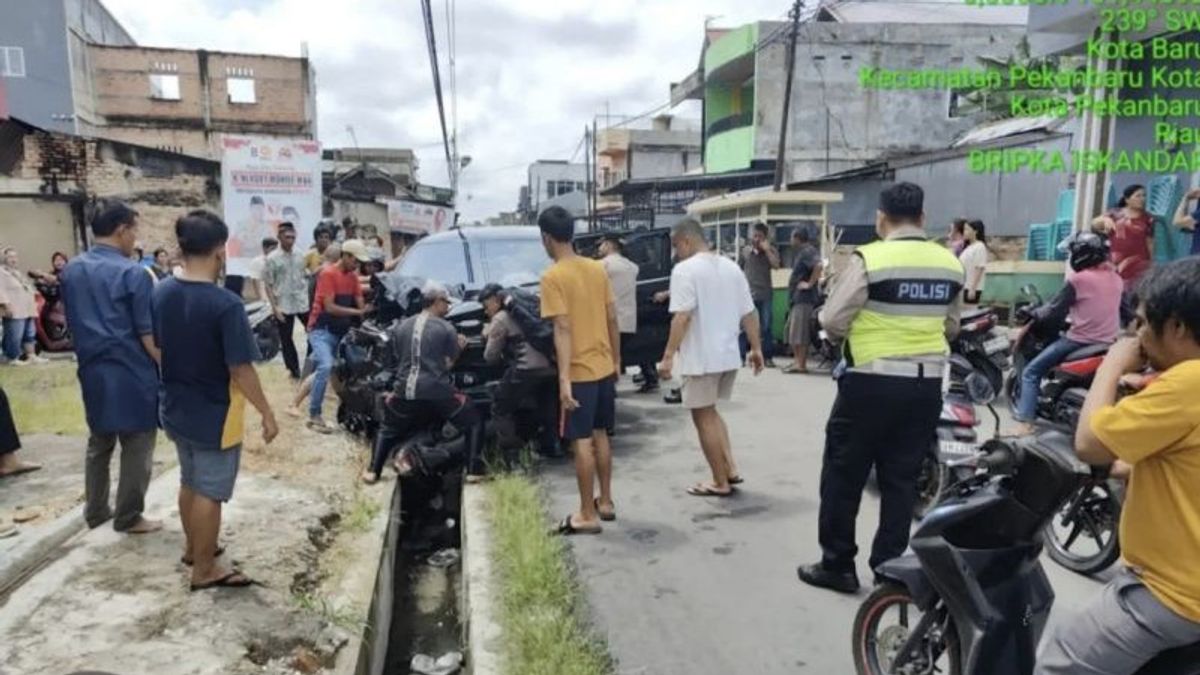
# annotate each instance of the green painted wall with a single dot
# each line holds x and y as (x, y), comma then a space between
(731, 45)
(729, 151)
(718, 103)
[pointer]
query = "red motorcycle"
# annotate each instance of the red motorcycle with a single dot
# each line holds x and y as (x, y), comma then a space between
(1062, 390)
(51, 318)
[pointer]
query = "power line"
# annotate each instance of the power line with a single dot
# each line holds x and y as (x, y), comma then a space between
(431, 43)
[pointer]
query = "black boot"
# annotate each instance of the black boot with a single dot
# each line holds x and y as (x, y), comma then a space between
(817, 575)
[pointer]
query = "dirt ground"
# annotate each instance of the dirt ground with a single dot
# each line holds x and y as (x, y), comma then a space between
(121, 603)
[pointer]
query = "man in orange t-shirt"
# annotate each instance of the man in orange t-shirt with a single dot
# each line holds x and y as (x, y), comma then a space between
(1153, 602)
(578, 297)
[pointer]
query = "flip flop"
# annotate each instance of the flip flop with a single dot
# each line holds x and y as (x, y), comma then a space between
(24, 469)
(566, 528)
(227, 581)
(220, 552)
(606, 517)
(706, 491)
(736, 480)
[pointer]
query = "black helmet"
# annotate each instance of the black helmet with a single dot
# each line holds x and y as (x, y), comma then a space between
(1087, 249)
(489, 291)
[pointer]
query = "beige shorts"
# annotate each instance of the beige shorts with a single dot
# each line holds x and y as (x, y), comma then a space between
(703, 391)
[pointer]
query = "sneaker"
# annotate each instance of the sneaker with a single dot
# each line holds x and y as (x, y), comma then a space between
(319, 425)
(38, 358)
(817, 575)
(674, 396)
(18, 362)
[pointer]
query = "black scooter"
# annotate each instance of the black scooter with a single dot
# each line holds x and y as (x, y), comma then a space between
(972, 598)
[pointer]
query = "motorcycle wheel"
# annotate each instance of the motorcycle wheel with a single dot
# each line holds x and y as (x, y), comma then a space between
(984, 365)
(930, 484)
(875, 644)
(1091, 515)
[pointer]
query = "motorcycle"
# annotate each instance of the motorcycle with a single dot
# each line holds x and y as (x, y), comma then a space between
(265, 329)
(50, 321)
(972, 597)
(981, 341)
(956, 438)
(1060, 397)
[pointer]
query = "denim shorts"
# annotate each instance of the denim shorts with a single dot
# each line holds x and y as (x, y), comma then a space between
(207, 469)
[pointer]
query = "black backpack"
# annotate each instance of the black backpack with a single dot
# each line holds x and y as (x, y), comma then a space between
(525, 307)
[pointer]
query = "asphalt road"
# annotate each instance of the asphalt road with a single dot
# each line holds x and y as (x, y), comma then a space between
(691, 586)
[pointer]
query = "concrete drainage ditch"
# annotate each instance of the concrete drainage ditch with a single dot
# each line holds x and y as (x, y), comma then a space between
(416, 607)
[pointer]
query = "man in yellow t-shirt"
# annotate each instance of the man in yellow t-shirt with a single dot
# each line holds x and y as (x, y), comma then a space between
(1154, 603)
(578, 297)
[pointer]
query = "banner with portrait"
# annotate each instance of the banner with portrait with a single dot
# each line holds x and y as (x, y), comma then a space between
(419, 218)
(264, 182)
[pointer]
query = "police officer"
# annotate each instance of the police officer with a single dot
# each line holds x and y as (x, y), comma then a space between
(895, 306)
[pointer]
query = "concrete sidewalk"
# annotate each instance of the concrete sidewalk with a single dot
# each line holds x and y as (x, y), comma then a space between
(120, 603)
(681, 585)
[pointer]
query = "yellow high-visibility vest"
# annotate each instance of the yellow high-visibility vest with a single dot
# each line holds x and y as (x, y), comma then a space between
(911, 282)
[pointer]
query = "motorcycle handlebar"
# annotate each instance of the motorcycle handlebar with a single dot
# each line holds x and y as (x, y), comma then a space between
(1002, 457)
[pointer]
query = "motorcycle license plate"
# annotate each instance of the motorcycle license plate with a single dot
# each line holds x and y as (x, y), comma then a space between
(996, 344)
(958, 448)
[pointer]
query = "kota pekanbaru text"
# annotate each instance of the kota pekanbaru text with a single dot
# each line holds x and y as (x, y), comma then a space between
(1155, 105)
(1013, 160)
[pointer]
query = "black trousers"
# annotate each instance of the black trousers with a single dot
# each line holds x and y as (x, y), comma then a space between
(403, 418)
(517, 386)
(236, 284)
(9, 442)
(888, 423)
(287, 344)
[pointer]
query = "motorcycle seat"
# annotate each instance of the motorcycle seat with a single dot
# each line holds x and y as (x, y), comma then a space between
(1086, 352)
(973, 314)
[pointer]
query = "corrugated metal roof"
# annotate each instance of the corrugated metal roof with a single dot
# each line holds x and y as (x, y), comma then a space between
(925, 11)
(1012, 127)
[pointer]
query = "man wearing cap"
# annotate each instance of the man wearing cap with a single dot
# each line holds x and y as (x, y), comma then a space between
(338, 300)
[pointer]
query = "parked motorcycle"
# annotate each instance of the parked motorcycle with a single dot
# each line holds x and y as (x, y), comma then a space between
(983, 343)
(265, 329)
(50, 321)
(956, 439)
(972, 598)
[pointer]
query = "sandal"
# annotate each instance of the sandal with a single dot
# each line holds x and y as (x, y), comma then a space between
(736, 480)
(219, 552)
(23, 468)
(606, 517)
(702, 490)
(234, 579)
(567, 528)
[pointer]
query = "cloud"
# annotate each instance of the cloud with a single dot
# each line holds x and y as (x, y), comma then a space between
(531, 73)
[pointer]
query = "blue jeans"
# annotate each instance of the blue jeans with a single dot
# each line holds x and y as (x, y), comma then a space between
(1035, 370)
(324, 347)
(764, 328)
(17, 334)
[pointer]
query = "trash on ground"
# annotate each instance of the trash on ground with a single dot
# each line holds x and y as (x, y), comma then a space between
(423, 664)
(446, 557)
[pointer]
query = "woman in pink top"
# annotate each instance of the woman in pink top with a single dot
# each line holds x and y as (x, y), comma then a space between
(1093, 293)
(1131, 231)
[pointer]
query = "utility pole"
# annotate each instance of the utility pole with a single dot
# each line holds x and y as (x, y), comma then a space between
(587, 176)
(780, 157)
(592, 177)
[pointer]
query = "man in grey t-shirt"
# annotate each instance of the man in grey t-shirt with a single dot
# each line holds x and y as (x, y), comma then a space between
(426, 347)
(758, 259)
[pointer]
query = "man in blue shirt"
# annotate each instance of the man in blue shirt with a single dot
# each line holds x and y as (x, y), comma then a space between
(1187, 221)
(108, 299)
(208, 354)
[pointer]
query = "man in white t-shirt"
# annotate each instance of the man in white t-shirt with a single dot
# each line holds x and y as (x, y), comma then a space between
(256, 290)
(711, 304)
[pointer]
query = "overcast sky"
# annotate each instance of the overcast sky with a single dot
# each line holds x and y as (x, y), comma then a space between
(531, 73)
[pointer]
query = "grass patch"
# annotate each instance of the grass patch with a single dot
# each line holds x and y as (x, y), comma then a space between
(346, 617)
(540, 602)
(45, 399)
(360, 514)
